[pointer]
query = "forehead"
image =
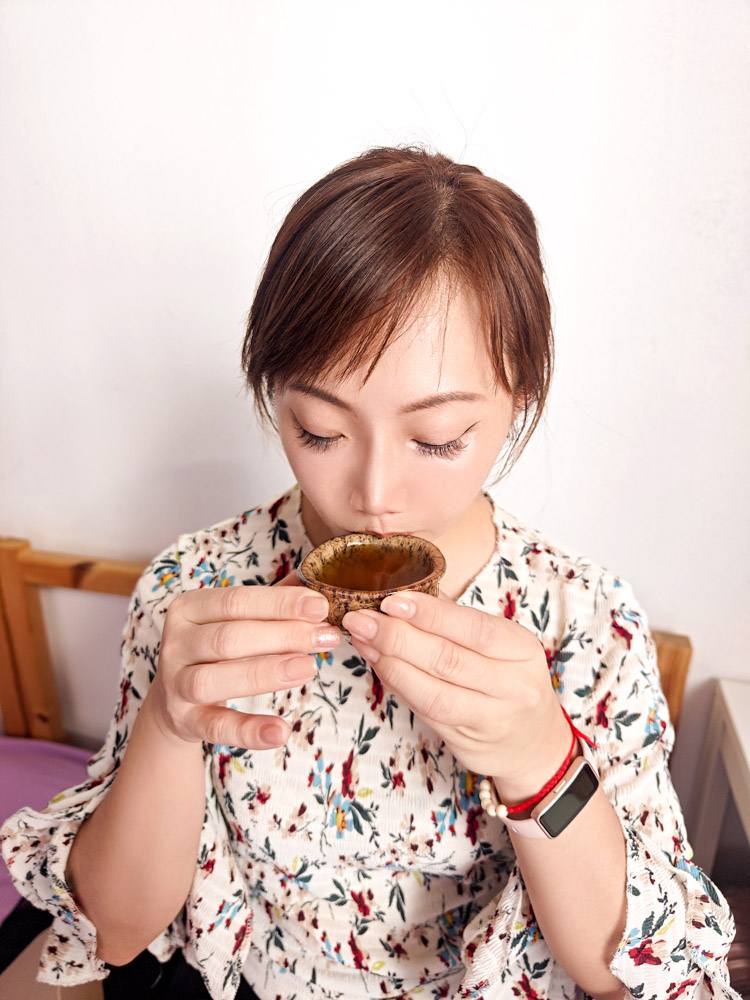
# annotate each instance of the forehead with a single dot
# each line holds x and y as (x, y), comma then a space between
(440, 345)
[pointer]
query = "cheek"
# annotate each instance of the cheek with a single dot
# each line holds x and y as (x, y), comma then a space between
(449, 485)
(314, 470)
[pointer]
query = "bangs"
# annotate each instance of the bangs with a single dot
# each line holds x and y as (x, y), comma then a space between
(337, 357)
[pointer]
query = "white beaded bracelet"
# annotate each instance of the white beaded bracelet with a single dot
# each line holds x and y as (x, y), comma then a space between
(489, 801)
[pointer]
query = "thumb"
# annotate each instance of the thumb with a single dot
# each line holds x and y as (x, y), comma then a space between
(290, 580)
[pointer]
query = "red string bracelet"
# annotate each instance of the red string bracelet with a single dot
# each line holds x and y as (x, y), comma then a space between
(530, 803)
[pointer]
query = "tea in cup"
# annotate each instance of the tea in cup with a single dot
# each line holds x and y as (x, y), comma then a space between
(359, 570)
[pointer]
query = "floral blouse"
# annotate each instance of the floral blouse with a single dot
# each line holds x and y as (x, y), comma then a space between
(355, 861)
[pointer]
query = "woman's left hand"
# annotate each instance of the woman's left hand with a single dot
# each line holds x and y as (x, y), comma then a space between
(480, 681)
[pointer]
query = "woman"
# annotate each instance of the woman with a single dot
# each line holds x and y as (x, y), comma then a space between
(299, 814)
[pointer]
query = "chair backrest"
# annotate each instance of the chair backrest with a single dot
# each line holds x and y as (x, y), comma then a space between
(28, 693)
(673, 652)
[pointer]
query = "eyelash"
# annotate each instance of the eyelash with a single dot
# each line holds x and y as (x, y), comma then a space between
(314, 441)
(451, 449)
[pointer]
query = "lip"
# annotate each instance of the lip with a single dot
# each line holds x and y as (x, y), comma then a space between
(383, 534)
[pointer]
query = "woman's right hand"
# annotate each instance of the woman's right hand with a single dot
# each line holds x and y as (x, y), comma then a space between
(232, 642)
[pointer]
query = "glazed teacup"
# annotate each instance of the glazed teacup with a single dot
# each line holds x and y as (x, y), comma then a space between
(359, 571)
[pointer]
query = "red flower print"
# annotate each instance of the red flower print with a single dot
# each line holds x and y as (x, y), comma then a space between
(346, 776)
(377, 691)
(124, 690)
(273, 510)
(239, 937)
(362, 906)
(601, 711)
(359, 958)
(627, 636)
(682, 987)
(397, 780)
(527, 990)
(510, 606)
(283, 568)
(472, 823)
(643, 953)
(224, 759)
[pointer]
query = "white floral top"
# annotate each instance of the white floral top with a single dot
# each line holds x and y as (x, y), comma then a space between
(355, 862)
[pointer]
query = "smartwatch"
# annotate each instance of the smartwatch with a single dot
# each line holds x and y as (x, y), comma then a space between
(562, 804)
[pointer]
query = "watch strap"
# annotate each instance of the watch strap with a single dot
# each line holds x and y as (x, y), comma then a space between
(535, 829)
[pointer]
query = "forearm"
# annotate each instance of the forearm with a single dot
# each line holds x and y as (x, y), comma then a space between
(133, 860)
(576, 883)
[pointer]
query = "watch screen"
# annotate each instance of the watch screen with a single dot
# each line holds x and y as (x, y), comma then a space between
(556, 817)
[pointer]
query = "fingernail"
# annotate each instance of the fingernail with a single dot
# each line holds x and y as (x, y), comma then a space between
(273, 734)
(313, 608)
(370, 654)
(398, 607)
(299, 668)
(360, 625)
(324, 637)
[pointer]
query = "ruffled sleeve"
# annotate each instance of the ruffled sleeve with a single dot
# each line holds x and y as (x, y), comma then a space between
(213, 927)
(678, 927)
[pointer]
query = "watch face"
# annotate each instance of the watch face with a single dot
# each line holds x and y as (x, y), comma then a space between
(570, 801)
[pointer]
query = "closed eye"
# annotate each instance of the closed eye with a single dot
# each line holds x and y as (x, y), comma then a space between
(315, 441)
(450, 449)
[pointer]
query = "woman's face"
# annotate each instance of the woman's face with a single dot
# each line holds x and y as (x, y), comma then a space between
(410, 449)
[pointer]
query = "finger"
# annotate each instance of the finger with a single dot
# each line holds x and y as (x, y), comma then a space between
(491, 635)
(216, 604)
(440, 703)
(432, 654)
(238, 640)
(208, 683)
(290, 580)
(227, 727)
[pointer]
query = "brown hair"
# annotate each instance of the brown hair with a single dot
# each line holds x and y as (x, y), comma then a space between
(360, 247)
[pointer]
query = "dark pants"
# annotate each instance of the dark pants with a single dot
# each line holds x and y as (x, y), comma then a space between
(146, 979)
(142, 979)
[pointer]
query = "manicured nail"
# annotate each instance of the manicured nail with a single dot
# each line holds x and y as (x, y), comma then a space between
(360, 625)
(371, 655)
(398, 607)
(313, 608)
(326, 637)
(273, 734)
(298, 668)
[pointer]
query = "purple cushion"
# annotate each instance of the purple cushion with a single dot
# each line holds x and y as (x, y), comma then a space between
(33, 772)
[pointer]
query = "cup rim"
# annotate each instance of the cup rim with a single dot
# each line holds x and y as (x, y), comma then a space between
(436, 573)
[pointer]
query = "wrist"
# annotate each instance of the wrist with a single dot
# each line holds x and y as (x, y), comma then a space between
(542, 759)
(155, 717)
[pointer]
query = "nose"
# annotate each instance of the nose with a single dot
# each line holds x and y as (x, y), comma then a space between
(378, 487)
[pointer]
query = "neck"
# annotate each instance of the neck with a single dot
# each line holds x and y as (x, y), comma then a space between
(467, 546)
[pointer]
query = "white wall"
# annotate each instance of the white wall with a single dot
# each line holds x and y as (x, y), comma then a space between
(150, 150)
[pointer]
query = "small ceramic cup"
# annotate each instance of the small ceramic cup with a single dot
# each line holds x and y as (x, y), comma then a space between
(419, 565)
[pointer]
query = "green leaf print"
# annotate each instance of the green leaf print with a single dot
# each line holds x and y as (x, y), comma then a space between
(397, 897)
(542, 621)
(279, 532)
(505, 569)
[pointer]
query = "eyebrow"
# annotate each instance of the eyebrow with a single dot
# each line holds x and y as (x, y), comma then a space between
(438, 399)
